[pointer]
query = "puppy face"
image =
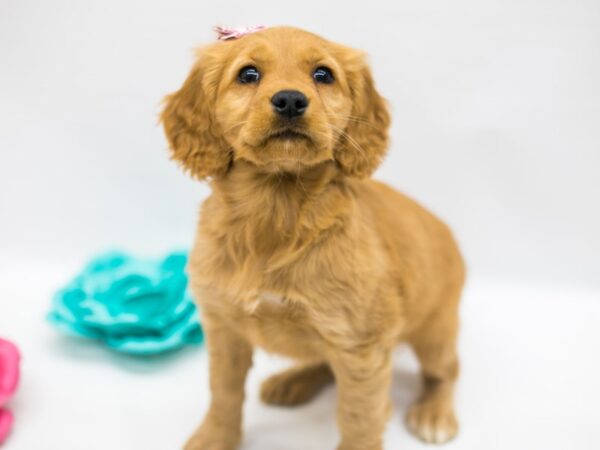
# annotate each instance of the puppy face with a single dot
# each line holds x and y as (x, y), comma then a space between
(283, 99)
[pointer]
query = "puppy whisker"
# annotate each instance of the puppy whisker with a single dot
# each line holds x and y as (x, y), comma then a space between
(351, 140)
(237, 125)
(354, 119)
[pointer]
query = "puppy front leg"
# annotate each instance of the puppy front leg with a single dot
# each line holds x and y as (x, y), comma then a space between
(230, 358)
(363, 378)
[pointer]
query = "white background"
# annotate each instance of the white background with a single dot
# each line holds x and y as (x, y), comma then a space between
(496, 108)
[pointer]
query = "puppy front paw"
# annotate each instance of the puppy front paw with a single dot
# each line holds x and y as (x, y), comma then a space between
(432, 422)
(202, 442)
(359, 447)
(210, 437)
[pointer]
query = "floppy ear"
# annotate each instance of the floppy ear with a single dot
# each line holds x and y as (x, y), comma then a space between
(188, 119)
(363, 147)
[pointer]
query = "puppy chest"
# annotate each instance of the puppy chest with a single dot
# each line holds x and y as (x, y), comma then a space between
(269, 303)
(280, 326)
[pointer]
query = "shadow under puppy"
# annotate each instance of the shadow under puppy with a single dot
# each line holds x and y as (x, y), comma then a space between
(297, 251)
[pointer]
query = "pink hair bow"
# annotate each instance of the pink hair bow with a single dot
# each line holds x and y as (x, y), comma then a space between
(9, 379)
(226, 33)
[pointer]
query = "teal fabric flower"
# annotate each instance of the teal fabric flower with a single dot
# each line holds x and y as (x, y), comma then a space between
(131, 305)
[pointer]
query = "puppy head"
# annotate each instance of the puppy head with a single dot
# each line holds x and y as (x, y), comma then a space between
(283, 99)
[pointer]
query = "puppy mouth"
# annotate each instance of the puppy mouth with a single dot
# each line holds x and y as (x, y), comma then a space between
(290, 135)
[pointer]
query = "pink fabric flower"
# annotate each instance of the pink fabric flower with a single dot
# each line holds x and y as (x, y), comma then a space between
(226, 33)
(9, 379)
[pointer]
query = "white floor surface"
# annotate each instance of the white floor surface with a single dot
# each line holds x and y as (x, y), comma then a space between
(530, 379)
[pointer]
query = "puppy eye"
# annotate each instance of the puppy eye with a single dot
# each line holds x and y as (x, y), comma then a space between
(249, 74)
(323, 75)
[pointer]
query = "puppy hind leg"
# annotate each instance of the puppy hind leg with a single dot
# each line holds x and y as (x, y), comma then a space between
(297, 385)
(431, 418)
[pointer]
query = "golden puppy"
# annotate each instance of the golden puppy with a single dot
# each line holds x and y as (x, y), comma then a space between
(297, 251)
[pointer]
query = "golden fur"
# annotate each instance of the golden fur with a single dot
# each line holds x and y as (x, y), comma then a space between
(298, 252)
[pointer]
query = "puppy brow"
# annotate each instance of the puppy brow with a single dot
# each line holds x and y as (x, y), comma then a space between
(253, 61)
(316, 61)
(250, 60)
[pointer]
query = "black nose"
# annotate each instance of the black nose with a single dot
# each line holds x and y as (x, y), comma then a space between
(289, 104)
